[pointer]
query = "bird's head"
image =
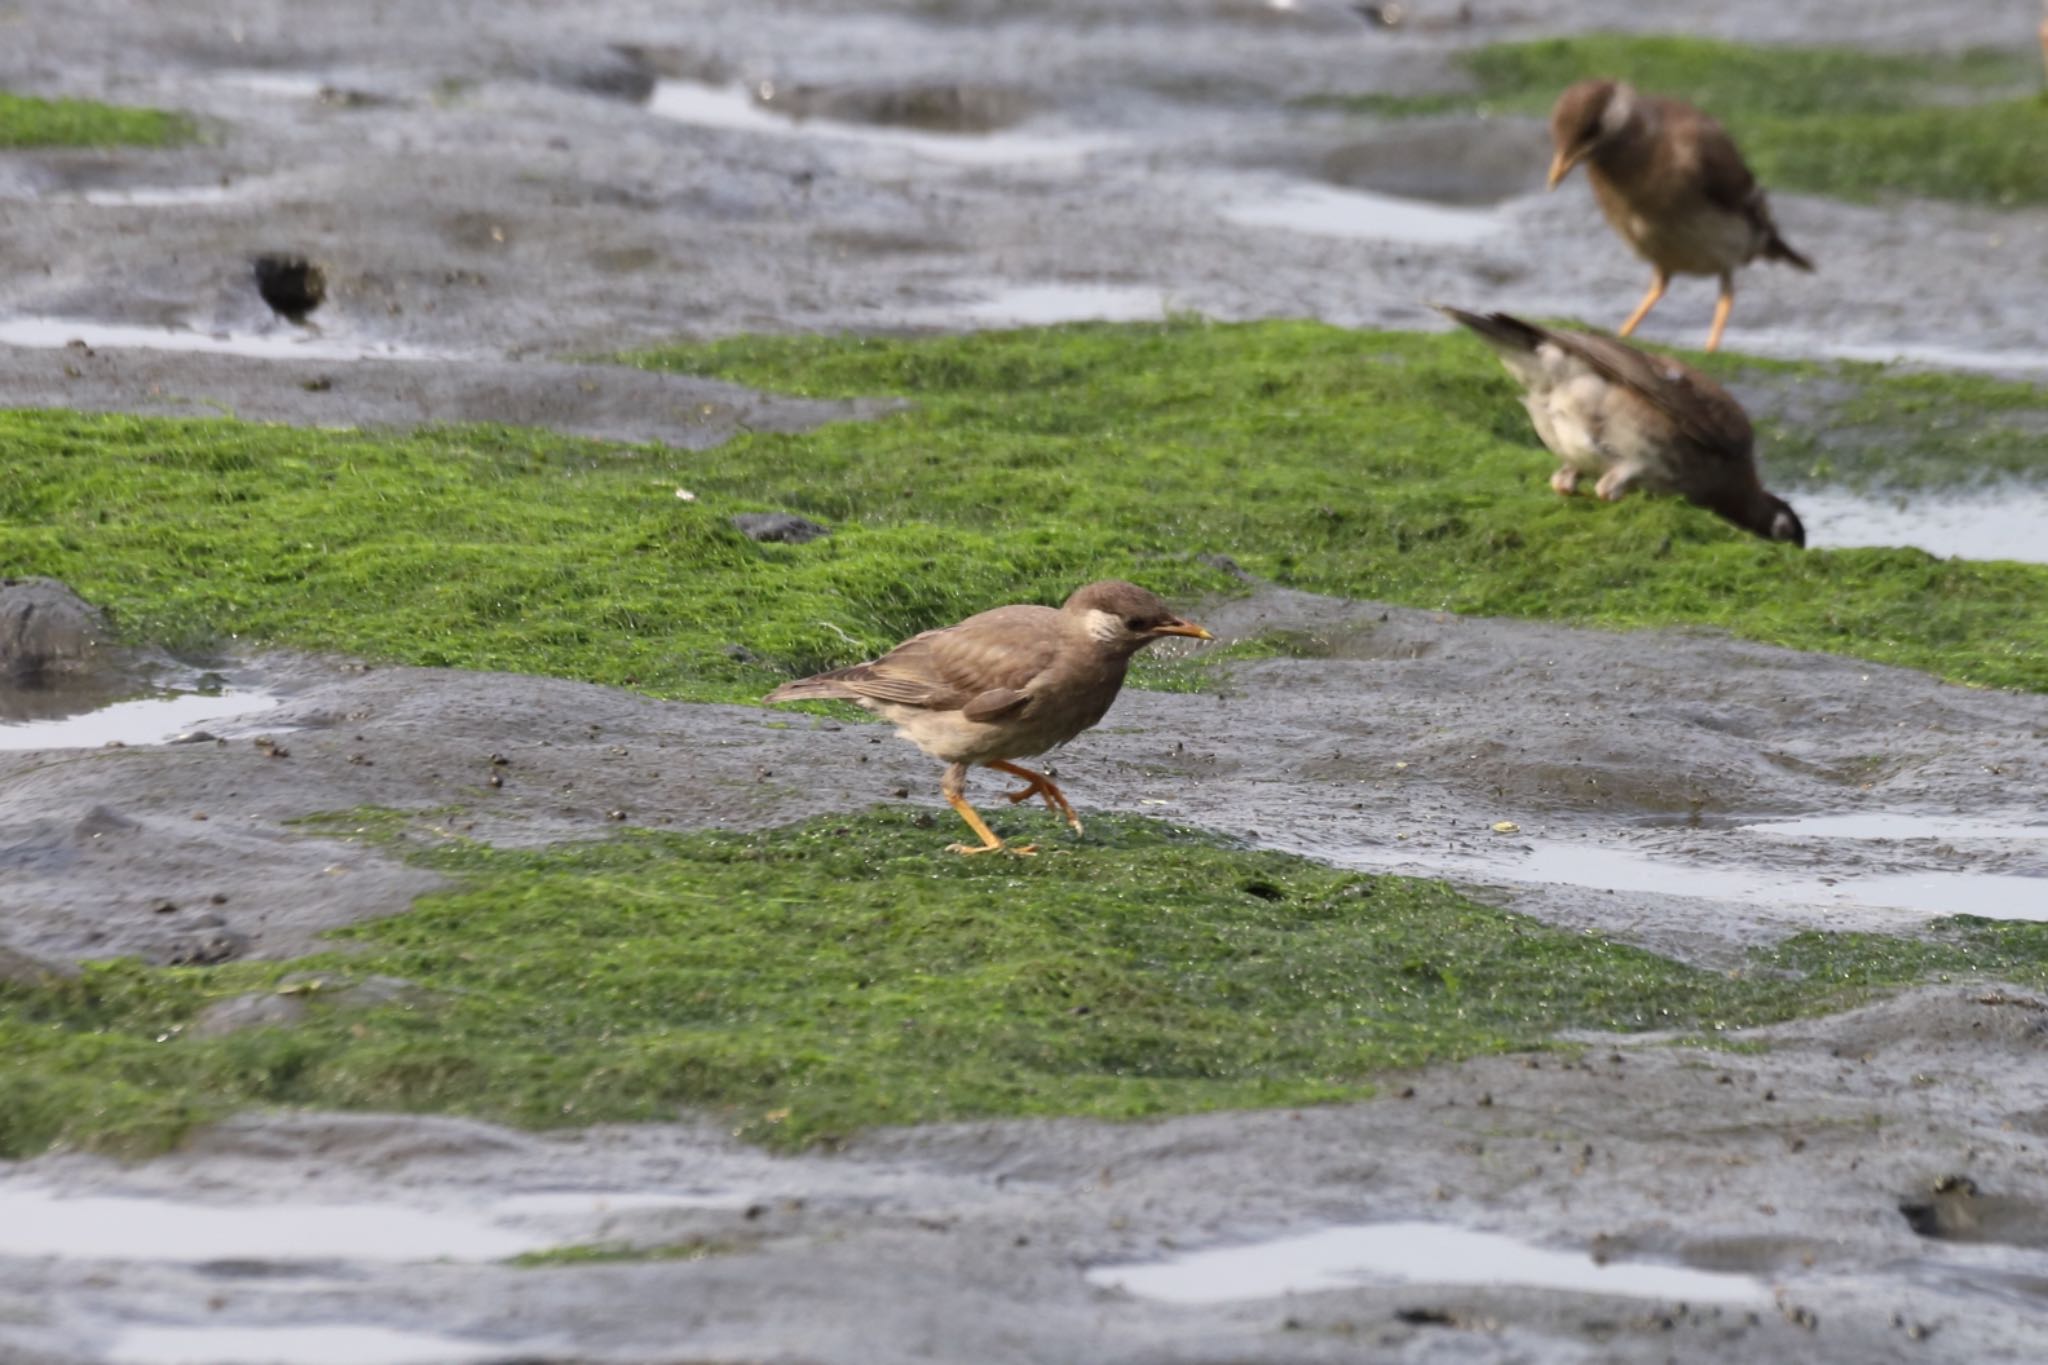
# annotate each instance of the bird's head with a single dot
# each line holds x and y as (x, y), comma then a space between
(1587, 114)
(1780, 522)
(1126, 617)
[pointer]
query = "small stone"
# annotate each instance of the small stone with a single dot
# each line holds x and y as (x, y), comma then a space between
(1224, 564)
(44, 625)
(781, 527)
(244, 1012)
(206, 948)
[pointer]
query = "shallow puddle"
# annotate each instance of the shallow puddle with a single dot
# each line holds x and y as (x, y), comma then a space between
(282, 344)
(1605, 867)
(289, 85)
(1042, 305)
(153, 196)
(1891, 825)
(1803, 346)
(326, 1345)
(142, 720)
(1323, 211)
(36, 1222)
(597, 1203)
(735, 108)
(2005, 523)
(41, 1222)
(1408, 1253)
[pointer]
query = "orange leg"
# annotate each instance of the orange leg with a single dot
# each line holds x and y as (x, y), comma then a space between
(1565, 481)
(1659, 282)
(953, 787)
(1722, 307)
(1041, 785)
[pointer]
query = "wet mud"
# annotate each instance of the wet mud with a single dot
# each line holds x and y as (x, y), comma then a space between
(1769, 1186)
(465, 189)
(511, 186)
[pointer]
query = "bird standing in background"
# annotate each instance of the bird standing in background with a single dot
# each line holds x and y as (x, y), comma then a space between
(1671, 181)
(1636, 420)
(1004, 684)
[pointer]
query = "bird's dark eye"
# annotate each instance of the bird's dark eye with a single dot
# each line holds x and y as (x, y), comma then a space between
(1136, 625)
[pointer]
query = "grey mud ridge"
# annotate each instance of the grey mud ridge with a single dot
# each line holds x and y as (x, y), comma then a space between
(494, 188)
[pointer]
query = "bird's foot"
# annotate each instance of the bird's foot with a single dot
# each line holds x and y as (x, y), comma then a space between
(1565, 481)
(1038, 784)
(1614, 485)
(1014, 850)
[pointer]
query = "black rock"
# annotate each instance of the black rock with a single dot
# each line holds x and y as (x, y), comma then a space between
(292, 285)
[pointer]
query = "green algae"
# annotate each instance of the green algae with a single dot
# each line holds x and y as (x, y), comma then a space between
(802, 983)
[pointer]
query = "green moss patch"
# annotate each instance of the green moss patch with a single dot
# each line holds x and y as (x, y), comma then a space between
(805, 982)
(1389, 466)
(1825, 120)
(26, 121)
(614, 1253)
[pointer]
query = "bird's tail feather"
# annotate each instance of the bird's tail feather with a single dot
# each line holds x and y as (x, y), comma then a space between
(1778, 249)
(1500, 329)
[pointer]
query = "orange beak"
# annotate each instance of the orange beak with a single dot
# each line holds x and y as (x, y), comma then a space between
(1187, 628)
(1561, 165)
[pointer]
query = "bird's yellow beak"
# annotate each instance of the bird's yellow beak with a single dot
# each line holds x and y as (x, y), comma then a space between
(1561, 164)
(1187, 628)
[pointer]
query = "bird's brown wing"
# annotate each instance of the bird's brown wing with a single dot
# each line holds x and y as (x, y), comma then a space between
(1703, 413)
(1726, 182)
(1721, 175)
(997, 652)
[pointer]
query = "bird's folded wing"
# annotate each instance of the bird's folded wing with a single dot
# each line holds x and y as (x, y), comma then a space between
(1723, 177)
(952, 668)
(1701, 411)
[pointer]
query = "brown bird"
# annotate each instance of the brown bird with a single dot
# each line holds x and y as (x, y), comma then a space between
(1005, 684)
(1672, 183)
(1636, 420)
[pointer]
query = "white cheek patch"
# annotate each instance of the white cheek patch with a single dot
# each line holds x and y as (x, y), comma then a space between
(1105, 626)
(1621, 107)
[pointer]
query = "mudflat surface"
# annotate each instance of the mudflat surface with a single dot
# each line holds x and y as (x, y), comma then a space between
(526, 180)
(1781, 1176)
(497, 190)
